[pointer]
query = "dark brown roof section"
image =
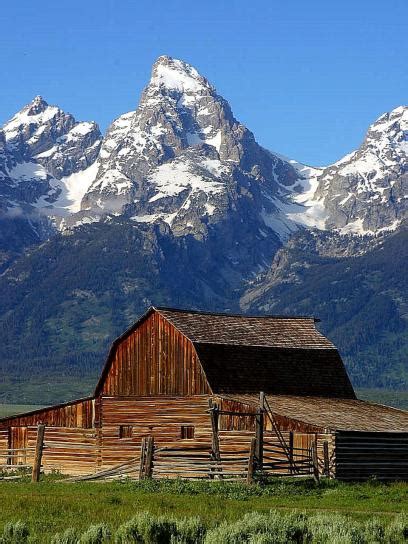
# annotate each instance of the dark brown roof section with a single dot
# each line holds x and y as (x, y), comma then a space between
(241, 330)
(234, 369)
(334, 414)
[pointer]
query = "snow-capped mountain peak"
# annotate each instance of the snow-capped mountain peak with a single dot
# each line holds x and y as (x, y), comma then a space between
(183, 158)
(38, 105)
(46, 162)
(174, 74)
(30, 119)
(366, 191)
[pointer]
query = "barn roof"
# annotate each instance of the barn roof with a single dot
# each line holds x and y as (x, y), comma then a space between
(252, 353)
(334, 414)
(250, 369)
(242, 330)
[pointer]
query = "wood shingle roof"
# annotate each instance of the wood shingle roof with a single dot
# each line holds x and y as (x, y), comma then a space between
(334, 414)
(240, 330)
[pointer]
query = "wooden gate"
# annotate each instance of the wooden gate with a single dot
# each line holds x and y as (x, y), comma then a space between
(293, 460)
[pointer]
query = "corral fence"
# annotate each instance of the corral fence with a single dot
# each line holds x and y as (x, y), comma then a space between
(15, 459)
(199, 462)
(240, 454)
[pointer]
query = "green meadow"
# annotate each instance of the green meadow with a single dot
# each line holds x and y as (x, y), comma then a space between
(54, 507)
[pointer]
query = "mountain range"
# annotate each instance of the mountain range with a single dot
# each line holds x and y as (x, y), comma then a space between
(177, 204)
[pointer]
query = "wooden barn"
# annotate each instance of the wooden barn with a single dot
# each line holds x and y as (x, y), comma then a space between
(194, 394)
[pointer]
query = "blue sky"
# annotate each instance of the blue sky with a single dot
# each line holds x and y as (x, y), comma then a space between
(307, 77)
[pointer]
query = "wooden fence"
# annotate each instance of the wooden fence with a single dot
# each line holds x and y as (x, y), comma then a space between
(198, 462)
(14, 459)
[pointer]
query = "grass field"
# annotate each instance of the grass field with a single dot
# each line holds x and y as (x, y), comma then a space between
(11, 409)
(397, 399)
(52, 506)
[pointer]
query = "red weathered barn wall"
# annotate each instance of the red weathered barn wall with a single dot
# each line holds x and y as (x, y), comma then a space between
(78, 414)
(155, 359)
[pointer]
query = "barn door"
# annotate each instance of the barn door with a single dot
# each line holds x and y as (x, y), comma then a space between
(18, 445)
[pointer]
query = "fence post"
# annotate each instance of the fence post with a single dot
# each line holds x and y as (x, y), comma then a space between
(259, 431)
(291, 452)
(215, 437)
(316, 475)
(142, 458)
(35, 476)
(326, 458)
(251, 460)
(149, 457)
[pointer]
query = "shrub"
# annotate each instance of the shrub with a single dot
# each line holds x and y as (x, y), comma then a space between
(69, 536)
(335, 529)
(96, 534)
(15, 533)
(253, 527)
(147, 529)
(129, 533)
(374, 531)
(188, 531)
(397, 531)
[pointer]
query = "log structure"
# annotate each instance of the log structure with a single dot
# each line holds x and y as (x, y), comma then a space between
(180, 395)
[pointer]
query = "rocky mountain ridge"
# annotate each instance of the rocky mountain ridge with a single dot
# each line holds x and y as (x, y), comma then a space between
(179, 205)
(182, 158)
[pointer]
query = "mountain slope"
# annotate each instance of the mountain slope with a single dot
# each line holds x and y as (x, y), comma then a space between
(179, 205)
(361, 300)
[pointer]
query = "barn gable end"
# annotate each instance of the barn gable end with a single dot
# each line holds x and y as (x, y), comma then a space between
(153, 358)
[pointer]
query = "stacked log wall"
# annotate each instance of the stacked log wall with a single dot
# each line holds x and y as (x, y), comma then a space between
(365, 455)
(160, 417)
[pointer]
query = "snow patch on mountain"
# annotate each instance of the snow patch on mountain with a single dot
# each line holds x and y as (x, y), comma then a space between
(177, 75)
(170, 179)
(73, 189)
(27, 171)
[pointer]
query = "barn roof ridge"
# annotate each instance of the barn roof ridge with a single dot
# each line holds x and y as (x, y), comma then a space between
(228, 314)
(262, 346)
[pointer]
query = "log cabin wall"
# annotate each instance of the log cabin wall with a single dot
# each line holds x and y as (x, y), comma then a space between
(364, 455)
(155, 359)
(170, 420)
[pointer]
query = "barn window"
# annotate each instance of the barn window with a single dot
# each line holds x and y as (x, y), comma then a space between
(187, 432)
(125, 431)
